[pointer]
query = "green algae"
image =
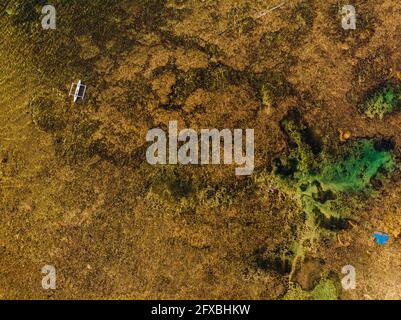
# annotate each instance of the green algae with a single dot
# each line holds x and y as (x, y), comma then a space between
(327, 182)
(265, 95)
(355, 168)
(304, 147)
(295, 292)
(327, 193)
(271, 87)
(301, 151)
(325, 289)
(321, 175)
(382, 102)
(349, 173)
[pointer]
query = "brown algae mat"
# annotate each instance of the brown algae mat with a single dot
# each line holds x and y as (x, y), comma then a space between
(77, 193)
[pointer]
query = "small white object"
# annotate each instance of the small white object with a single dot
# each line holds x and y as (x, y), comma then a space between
(265, 12)
(79, 92)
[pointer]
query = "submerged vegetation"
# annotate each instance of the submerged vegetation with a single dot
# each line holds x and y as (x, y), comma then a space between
(48, 115)
(383, 101)
(183, 231)
(327, 184)
(325, 289)
(321, 176)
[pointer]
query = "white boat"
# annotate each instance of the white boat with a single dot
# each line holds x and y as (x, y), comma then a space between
(79, 92)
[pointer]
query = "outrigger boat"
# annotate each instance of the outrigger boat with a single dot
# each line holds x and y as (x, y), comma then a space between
(79, 92)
